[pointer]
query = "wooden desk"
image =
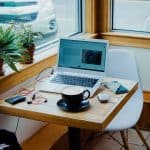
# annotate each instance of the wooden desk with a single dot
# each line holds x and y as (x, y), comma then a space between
(97, 117)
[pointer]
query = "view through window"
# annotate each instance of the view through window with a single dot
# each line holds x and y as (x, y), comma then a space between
(49, 19)
(131, 15)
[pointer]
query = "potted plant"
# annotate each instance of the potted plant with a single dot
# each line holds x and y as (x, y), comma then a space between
(10, 52)
(26, 41)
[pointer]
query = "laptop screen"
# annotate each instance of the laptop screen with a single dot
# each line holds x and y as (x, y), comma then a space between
(83, 54)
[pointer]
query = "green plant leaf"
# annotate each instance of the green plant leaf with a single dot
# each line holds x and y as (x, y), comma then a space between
(13, 45)
(10, 62)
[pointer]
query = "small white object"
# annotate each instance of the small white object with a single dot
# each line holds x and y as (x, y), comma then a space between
(103, 97)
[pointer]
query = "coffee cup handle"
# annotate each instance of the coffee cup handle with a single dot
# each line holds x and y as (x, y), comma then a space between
(86, 97)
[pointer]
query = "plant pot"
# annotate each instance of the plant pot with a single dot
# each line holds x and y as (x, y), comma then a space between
(30, 52)
(1, 67)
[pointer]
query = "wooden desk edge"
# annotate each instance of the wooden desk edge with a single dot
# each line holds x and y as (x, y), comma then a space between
(43, 117)
(121, 104)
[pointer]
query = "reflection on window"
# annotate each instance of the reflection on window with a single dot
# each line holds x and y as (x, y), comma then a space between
(49, 19)
(131, 15)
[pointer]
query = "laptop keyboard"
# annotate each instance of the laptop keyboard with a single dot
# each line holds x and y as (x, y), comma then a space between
(74, 80)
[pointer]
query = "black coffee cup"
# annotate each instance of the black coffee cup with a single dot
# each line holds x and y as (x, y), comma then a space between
(73, 96)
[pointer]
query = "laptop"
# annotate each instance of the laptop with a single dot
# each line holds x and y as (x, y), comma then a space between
(81, 63)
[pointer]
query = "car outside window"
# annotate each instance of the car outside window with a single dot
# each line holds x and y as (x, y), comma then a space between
(49, 19)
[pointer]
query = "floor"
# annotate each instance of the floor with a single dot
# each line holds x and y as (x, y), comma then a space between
(106, 141)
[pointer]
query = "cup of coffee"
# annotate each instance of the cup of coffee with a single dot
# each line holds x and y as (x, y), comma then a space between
(73, 96)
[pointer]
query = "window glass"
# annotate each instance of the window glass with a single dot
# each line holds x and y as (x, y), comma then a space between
(49, 19)
(131, 15)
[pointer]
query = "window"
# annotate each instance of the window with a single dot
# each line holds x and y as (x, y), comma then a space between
(131, 15)
(49, 19)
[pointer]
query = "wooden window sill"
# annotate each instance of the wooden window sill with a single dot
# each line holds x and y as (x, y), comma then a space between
(42, 60)
(37, 59)
(127, 39)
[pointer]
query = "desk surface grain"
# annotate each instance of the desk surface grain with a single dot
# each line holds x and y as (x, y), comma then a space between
(97, 117)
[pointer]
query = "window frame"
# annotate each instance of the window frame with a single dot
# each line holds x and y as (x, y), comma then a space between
(117, 37)
(48, 44)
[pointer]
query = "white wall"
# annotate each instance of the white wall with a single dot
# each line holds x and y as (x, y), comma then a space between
(143, 61)
(26, 128)
(5, 122)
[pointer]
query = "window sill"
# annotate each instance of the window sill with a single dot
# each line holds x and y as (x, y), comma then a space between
(127, 39)
(37, 59)
(42, 60)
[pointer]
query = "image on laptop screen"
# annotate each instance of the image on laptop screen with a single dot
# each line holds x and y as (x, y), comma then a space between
(83, 54)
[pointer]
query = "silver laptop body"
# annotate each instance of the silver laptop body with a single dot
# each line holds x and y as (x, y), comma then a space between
(81, 63)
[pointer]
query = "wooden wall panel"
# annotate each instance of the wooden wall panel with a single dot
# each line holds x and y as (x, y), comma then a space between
(144, 121)
(146, 96)
(91, 16)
